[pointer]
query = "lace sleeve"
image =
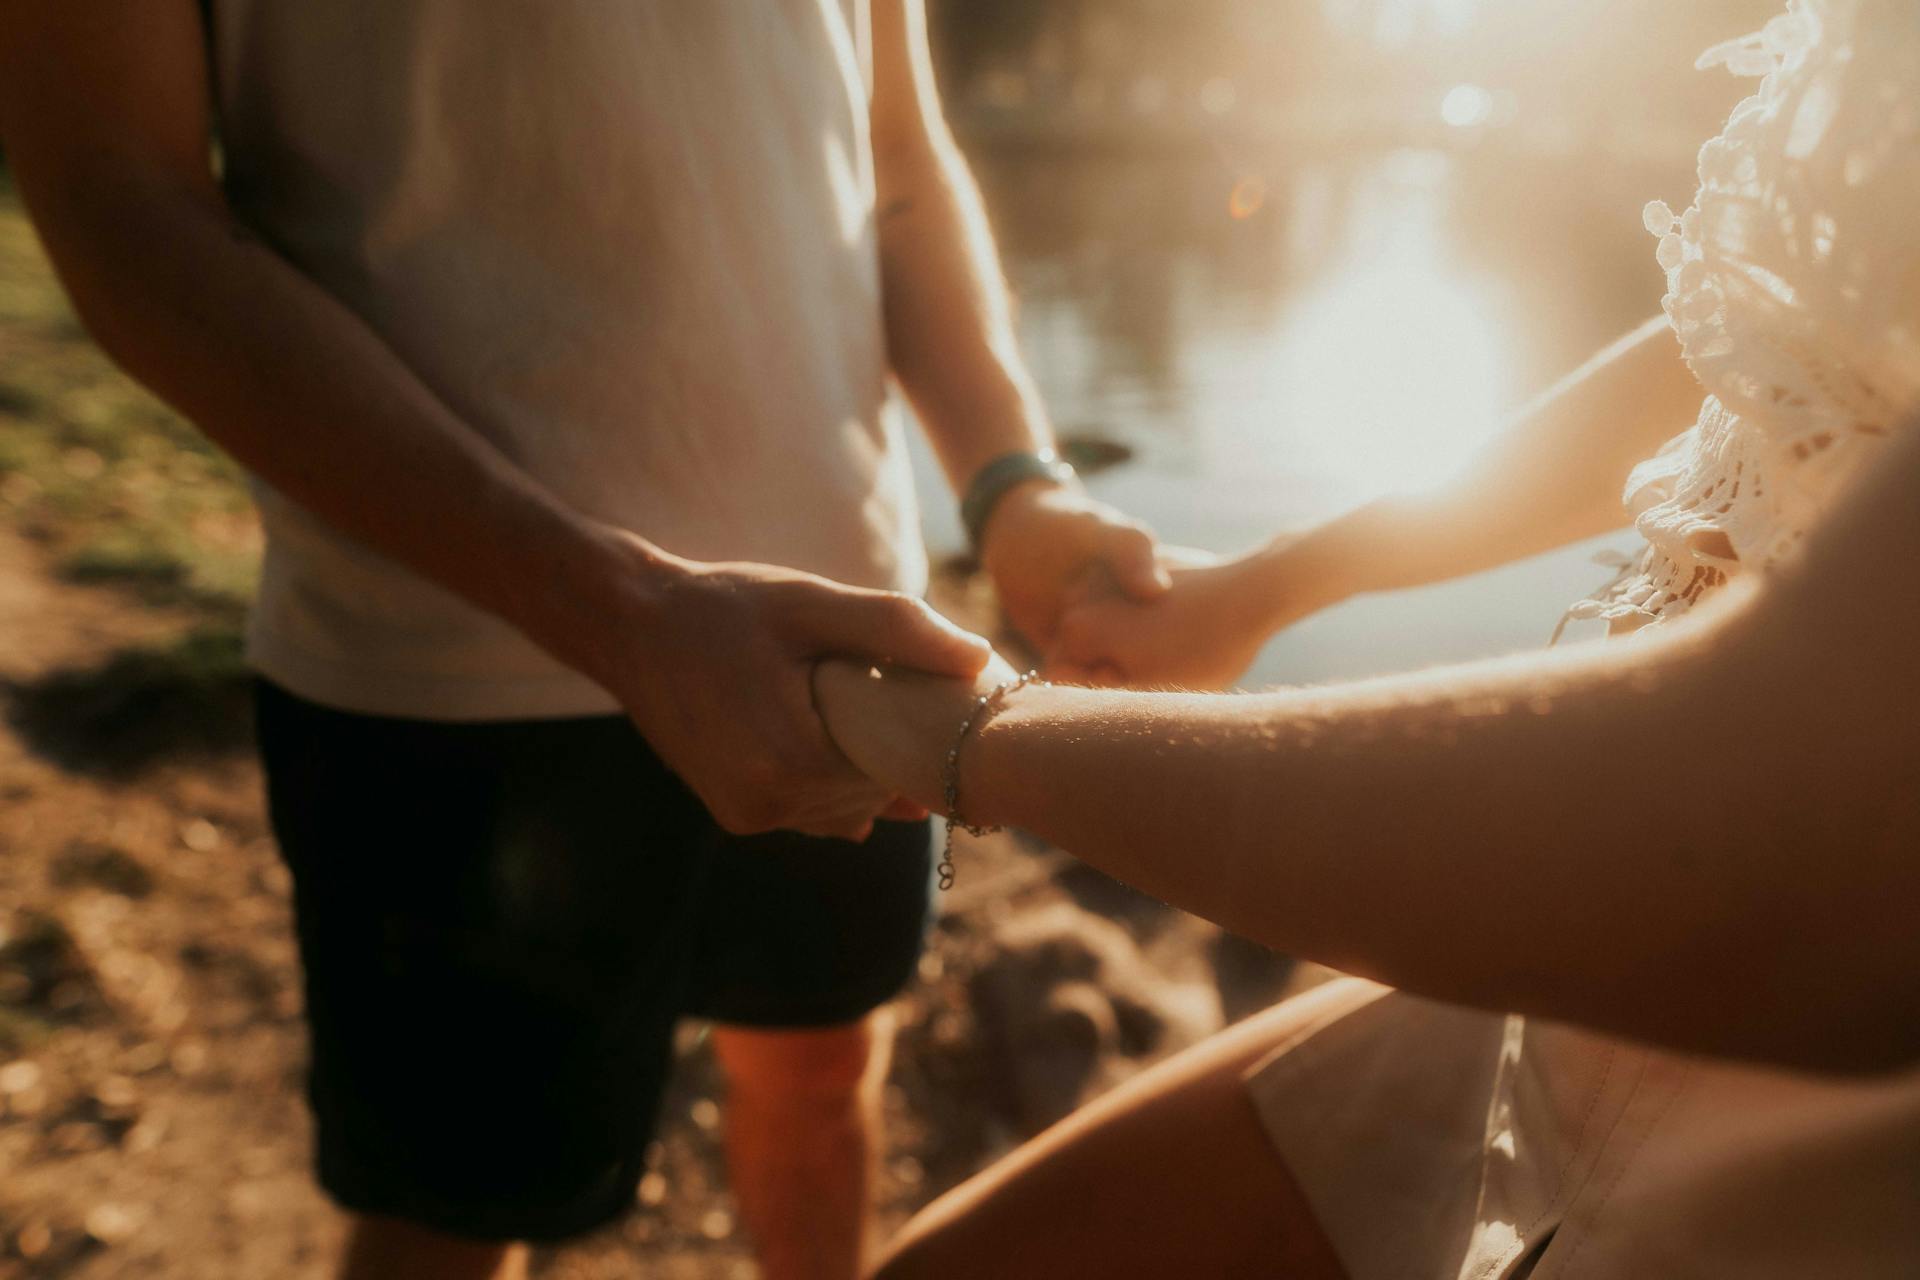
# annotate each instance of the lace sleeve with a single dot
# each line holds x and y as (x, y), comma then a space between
(1793, 282)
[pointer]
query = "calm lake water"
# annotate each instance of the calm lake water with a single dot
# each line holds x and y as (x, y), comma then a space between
(1279, 338)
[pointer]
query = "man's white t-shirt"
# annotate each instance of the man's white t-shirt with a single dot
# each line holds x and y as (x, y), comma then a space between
(632, 244)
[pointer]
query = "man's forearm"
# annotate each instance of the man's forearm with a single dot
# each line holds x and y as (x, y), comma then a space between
(302, 392)
(1552, 477)
(950, 334)
(949, 321)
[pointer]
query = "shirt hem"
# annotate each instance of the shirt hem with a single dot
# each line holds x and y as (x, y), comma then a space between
(427, 695)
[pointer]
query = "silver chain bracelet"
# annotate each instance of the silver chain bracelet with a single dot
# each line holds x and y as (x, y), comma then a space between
(983, 708)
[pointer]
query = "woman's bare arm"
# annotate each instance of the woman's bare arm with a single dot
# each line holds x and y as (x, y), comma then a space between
(1708, 838)
(1553, 476)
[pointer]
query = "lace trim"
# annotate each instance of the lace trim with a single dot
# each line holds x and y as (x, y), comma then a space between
(1793, 283)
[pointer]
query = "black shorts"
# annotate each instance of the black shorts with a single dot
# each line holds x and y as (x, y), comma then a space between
(500, 925)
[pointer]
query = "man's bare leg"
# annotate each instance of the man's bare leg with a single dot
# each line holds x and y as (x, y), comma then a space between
(390, 1249)
(802, 1130)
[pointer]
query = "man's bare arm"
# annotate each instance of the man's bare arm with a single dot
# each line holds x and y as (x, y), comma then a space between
(951, 341)
(950, 333)
(104, 112)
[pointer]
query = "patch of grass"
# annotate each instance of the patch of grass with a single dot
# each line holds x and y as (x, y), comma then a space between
(212, 586)
(135, 564)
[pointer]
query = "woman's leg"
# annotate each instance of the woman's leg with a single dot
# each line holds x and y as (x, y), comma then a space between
(1168, 1175)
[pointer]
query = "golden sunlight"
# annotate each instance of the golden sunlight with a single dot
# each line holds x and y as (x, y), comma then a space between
(1396, 367)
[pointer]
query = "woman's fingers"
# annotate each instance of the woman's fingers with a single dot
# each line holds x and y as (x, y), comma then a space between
(1091, 635)
(1130, 554)
(896, 726)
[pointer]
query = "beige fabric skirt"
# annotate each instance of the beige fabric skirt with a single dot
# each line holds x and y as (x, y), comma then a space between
(1441, 1143)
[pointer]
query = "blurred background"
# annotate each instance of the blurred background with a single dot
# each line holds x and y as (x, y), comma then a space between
(1292, 253)
(1272, 258)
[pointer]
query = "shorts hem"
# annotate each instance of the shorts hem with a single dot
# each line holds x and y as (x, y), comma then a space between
(835, 1013)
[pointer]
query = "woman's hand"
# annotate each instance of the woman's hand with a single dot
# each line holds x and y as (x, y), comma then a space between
(1203, 633)
(897, 726)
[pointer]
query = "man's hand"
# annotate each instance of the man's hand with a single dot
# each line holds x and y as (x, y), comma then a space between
(714, 663)
(1042, 539)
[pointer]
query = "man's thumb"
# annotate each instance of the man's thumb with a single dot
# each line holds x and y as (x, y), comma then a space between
(1132, 557)
(900, 631)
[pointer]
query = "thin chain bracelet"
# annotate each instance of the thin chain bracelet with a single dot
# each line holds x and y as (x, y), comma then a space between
(983, 708)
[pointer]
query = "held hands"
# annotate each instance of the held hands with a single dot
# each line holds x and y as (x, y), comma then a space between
(1043, 539)
(1091, 590)
(714, 664)
(1203, 632)
(737, 721)
(897, 726)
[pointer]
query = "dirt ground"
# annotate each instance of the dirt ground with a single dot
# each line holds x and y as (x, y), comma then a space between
(151, 1047)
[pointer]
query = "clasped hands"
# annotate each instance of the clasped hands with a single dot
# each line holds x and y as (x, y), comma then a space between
(1199, 630)
(722, 679)
(1103, 605)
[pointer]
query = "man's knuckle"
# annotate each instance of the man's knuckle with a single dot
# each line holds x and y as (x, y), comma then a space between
(762, 812)
(733, 817)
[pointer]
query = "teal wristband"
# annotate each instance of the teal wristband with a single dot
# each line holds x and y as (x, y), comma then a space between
(999, 477)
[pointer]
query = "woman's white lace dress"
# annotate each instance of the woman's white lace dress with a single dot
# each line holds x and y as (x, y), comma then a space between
(1794, 284)
(1439, 1143)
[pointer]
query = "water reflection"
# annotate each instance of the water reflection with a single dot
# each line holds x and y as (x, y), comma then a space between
(1361, 328)
(1391, 368)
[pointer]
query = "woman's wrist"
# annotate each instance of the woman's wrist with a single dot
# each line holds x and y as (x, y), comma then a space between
(1348, 556)
(1295, 577)
(1000, 772)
